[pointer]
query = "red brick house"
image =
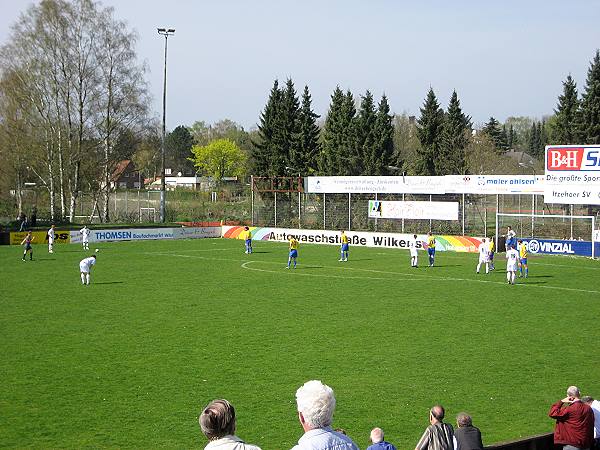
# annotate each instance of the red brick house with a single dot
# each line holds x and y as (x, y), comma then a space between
(126, 176)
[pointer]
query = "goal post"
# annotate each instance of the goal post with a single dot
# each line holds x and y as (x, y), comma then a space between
(549, 226)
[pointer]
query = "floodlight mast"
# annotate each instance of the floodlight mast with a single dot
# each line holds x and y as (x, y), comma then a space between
(166, 32)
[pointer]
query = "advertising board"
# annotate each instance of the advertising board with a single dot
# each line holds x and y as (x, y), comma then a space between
(136, 234)
(413, 210)
(561, 247)
(41, 237)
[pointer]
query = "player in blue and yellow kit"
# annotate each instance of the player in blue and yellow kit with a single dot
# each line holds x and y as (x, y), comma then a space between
(523, 258)
(246, 235)
(344, 250)
(293, 251)
(431, 248)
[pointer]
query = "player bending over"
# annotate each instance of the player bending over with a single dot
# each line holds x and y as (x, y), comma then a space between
(344, 249)
(85, 267)
(85, 237)
(247, 236)
(27, 242)
(523, 258)
(51, 239)
(414, 255)
(431, 248)
(491, 253)
(512, 259)
(484, 256)
(293, 251)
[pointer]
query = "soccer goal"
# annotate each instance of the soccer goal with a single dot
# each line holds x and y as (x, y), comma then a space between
(147, 214)
(548, 226)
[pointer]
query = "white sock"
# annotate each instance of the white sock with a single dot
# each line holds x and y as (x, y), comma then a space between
(508, 277)
(87, 277)
(478, 267)
(487, 268)
(83, 278)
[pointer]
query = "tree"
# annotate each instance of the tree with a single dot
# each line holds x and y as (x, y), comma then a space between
(220, 158)
(384, 139)
(493, 130)
(429, 132)
(337, 150)
(290, 129)
(178, 144)
(364, 160)
(589, 123)
(267, 157)
(308, 140)
(567, 110)
(454, 140)
(406, 142)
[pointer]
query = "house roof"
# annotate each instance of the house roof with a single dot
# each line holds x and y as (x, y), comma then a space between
(120, 169)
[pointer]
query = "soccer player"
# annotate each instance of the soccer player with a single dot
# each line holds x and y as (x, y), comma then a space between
(484, 256)
(51, 239)
(293, 251)
(431, 248)
(247, 236)
(523, 258)
(491, 253)
(27, 242)
(414, 255)
(85, 267)
(511, 239)
(344, 249)
(85, 237)
(512, 259)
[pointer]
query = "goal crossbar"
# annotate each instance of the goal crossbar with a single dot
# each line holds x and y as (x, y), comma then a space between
(547, 216)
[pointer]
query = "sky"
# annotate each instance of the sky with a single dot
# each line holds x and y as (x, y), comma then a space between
(503, 58)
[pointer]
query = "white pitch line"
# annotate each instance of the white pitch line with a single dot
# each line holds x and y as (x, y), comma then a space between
(404, 275)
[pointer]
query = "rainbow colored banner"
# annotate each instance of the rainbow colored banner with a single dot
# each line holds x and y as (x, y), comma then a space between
(358, 238)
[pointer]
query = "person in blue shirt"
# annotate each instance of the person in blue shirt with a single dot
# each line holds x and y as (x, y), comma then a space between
(378, 442)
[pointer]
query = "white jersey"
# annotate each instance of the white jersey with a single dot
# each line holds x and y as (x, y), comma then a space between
(51, 235)
(85, 233)
(86, 264)
(484, 252)
(512, 260)
(412, 246)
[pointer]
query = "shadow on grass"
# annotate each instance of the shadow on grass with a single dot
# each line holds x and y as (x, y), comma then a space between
(309, 267)
(109, 282)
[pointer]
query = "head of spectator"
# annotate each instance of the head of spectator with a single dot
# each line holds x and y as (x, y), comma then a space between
(587, 399)
(376, 435)
(463, 420)
(217, 419)
(573, 394)
(436, 414)
(316, 404)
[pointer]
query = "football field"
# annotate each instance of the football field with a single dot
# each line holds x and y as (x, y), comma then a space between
(167, 326)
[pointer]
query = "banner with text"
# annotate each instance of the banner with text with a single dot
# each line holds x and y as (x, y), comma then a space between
(447, 184)
(40, 237)
(137, 234)
(572, 174)
(561, 247)
(413, 210)
(356, 238)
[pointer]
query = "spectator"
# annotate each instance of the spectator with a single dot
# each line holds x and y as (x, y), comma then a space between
(438, 435)
(574, 427)
(378, 442)
(217, 422)
(466, 436)
(22, 218)
(595, 405)
(316, 404)
(33, 217)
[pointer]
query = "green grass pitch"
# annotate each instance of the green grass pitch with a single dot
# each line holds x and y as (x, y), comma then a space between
(167, 326)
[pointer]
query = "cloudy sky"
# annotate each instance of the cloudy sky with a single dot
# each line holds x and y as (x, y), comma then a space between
(503, 58)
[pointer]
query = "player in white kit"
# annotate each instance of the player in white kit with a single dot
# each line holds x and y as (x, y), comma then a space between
(484, 256)
(414, 255)
(85, 237)
(512, 262)
(51, 239)
(85, 267)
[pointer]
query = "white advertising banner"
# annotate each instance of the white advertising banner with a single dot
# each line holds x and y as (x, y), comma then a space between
(137, 234)
(413, 210)
(447, 184)
(572, 174)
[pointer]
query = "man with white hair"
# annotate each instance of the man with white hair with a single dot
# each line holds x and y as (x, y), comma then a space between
(316, 404)
(378, 442)
(574, 429)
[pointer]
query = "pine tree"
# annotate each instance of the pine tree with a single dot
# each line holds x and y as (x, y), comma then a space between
(290, 130)
(309, 147)
(455, 138)
(349, 162)
(535, 140)
(567, 112)
(589, 126)
(384, 138)
(266, 148)
(511, 137)
(332, 135)
(429, 132)
(365, 158)
(494, 132)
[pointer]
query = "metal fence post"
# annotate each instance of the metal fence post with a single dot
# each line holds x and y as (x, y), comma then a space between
(375, 216)
(275, 209)
(323, 210)
(403, 217)
(463, 214)
(430, 221)
(252, 199)
(299, 209)
(349, 210)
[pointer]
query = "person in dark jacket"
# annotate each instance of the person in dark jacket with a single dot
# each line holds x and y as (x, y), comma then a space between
(378, 442)
(574, 427)
(466, 435)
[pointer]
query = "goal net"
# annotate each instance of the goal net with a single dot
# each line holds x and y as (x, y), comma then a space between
(147, 214)
(547, 226)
